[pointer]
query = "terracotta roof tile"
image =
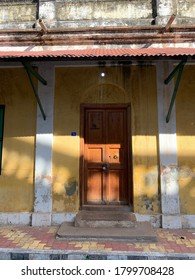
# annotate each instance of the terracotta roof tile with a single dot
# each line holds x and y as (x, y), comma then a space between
(100, 53)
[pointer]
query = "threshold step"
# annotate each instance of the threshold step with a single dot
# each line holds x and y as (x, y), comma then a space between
(104, 219)
(142, 232)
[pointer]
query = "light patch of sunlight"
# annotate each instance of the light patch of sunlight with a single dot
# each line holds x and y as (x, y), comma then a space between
(67, 145)
(58, 188)
(145, 180)
(61, 175)
(144, 145)
(28, 140)
(186, 145)
(15, 164)
(25, 167)
(61, 172)
(10, 162)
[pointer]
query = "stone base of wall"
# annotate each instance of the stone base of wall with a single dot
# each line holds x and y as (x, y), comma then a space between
(23, 218)
(171, 221)
(47, 219)
(41, 219)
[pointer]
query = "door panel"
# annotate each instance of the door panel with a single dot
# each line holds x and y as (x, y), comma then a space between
(113, 190)
(95, 153)
(115, 128)
(94, 127)
(94, 186)
(105, 156)
(115, 154)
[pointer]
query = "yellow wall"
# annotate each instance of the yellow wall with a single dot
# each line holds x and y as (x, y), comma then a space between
(76, 85)
(16, 181)
(145, 137)
(185, 112)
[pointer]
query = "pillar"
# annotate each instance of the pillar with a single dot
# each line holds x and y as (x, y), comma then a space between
(47, 11)
(43, 154)
(167, 150)
(165, 8)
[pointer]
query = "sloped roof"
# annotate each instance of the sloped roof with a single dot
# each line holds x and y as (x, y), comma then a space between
(99, 53)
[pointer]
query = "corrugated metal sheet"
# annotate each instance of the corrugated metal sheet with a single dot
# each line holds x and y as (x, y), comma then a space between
(100, 53)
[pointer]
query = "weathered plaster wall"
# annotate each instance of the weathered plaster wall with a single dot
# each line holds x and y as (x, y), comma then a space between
(145, 131)
(186, 8)
(74, 13)
(85, 85)
(184, 11)
(106, 9)
(86, 13)
(16, 181)
(17, 14)
(186, 140)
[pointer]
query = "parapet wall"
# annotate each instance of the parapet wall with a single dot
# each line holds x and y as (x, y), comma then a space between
(89, 13)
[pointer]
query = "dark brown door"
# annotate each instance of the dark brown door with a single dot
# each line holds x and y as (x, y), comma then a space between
(105, 156)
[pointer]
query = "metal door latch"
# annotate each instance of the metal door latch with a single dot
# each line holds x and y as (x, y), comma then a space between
(116, 156)
(105, 166)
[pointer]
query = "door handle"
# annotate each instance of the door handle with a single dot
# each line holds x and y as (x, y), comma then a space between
(116, 156)
(105, 166)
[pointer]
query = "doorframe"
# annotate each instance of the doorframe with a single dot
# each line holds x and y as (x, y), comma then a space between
(83, 108)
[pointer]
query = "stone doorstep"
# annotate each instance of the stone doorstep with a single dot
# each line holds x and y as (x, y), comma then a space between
(94, 219)
(104, 223)
(142, 232)
(107, 208)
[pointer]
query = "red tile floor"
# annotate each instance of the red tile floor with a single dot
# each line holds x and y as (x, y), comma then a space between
(43, 238)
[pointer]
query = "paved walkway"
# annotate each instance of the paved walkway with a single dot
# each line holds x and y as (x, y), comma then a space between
(25, 242)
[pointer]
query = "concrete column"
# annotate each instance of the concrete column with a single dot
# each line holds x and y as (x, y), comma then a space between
(43, 154)
(47, 11)
(165, 8)
(167, 150)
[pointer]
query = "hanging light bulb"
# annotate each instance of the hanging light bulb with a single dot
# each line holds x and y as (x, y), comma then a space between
(102, 74)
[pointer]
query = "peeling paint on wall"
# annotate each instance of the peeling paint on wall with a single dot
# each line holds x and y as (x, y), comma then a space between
(147, 203)
(71, 186)
(68, 201)
(150, 179)
(169, 173)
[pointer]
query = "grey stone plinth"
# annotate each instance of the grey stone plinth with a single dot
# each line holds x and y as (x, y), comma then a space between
(104, 219)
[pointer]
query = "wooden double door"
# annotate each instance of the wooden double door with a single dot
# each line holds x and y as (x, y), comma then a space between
(105, 161)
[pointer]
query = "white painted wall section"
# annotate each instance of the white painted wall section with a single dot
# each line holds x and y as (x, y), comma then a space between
(164, 10)
(167, 150)
(43, 155)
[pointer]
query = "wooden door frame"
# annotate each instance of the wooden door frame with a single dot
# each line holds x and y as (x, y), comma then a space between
(86, 106)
